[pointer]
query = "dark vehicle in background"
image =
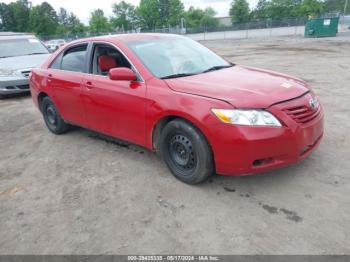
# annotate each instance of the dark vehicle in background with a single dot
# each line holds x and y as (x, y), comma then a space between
(53, 45)
(19, 53)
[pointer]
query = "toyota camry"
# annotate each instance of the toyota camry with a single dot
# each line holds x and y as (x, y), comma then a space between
(203, 114)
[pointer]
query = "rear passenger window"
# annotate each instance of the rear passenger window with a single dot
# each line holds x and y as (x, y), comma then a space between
(74, 59)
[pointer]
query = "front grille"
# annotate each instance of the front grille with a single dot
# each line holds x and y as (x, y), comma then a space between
(26, 73)
(303, 114)
(23, 86)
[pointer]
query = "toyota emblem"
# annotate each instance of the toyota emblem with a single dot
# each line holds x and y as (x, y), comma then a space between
(313, 103)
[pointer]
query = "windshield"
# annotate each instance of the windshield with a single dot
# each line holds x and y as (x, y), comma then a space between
(176, 56)
(21, 47)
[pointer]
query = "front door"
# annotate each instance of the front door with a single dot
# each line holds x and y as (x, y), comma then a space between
(115, 108)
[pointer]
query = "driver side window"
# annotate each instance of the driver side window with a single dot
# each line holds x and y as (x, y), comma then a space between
(106, 57)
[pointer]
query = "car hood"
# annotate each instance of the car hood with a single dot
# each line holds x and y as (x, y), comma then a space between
(243, 87)
(22, 62)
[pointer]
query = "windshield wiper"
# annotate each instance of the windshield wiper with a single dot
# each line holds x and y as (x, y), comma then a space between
(177, 75)
(214, 68)
(187, 74)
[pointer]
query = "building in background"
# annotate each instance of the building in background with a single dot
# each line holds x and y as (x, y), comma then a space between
(224, 21)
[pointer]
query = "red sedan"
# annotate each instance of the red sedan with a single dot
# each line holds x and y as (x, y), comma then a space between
(170, 94)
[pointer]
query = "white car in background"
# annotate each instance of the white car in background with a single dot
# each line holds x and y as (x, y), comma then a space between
(19, 53)
(53, 45)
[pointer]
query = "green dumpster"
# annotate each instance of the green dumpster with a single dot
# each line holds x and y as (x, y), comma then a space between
(321, 27)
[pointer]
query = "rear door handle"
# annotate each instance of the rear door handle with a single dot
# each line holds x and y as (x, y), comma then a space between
(89, 85)
(49, 78)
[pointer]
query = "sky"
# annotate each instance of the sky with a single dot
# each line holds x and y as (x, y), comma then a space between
(83, 8)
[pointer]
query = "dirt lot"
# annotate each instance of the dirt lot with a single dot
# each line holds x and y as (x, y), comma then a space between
(78, 193)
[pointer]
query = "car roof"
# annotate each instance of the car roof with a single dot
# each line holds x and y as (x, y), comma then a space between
(14, 35)
(129, 37)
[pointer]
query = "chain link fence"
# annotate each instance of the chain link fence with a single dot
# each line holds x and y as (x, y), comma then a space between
(263, 28)
(259, 28)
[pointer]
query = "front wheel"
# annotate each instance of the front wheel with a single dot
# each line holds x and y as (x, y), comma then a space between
(186, 152)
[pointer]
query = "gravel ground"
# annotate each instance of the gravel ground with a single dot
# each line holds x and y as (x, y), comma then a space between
(80, 193)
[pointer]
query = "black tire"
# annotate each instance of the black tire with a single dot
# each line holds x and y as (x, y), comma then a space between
(186, 152)
(52, 117)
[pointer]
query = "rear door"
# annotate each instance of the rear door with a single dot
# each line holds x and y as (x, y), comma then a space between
(65, 78)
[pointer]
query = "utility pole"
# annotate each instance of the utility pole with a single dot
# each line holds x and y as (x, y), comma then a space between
(345, 6)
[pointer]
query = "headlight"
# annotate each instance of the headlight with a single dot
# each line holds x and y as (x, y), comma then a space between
(4, 72)
(247, 117)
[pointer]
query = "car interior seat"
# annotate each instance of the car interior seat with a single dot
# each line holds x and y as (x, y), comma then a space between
(105, 63)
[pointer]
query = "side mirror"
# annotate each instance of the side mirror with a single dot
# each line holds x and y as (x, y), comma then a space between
(122, 74)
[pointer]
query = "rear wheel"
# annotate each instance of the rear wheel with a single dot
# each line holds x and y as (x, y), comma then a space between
(186, 152)
(52, 118)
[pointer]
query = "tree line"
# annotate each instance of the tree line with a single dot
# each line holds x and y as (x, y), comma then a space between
(44, 20)
(280, 9)
(41, 19)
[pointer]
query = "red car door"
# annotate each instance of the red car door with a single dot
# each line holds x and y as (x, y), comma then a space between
(115, 108)
(65, 78)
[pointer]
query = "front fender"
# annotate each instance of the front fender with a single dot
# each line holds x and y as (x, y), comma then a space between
(195, 109)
